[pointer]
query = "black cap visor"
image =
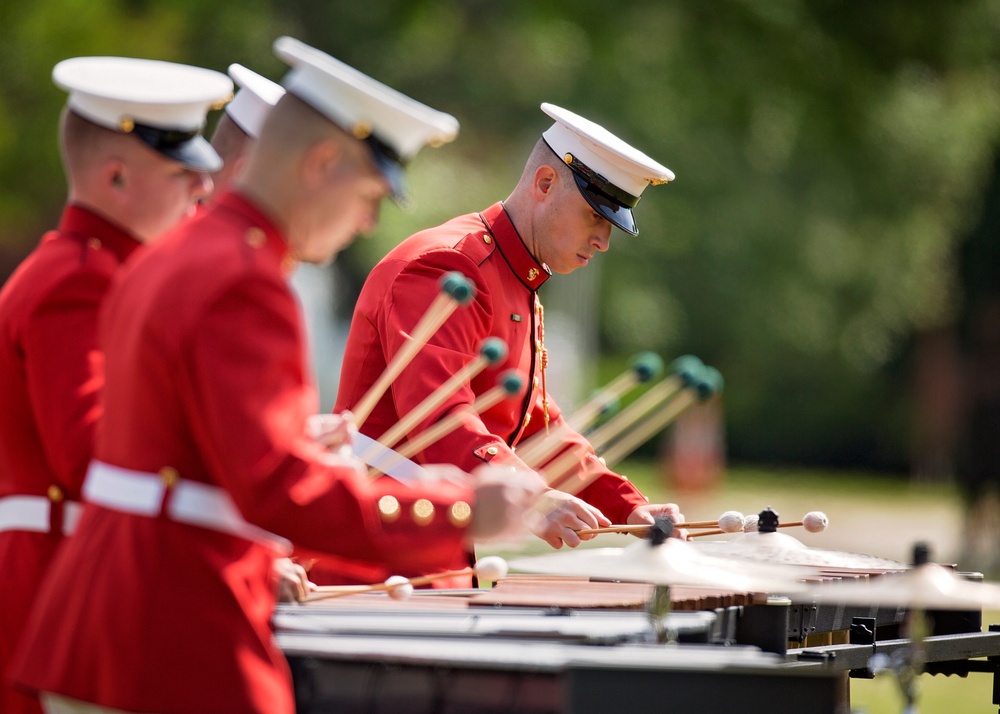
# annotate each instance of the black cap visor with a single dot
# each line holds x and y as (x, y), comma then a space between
(391, 166)
(189, 148)
(618, 214)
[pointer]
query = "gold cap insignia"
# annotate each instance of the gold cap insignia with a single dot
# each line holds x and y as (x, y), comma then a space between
(362, 130)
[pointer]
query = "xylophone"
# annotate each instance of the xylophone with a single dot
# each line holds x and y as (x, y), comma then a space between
(568, 644)
(461, 653)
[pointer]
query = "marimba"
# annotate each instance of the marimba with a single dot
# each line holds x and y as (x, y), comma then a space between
(548, 644)
(404, 658)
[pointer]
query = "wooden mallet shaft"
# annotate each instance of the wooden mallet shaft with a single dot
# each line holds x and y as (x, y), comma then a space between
(660, 420)
(456, 290)
(722, 532)
(642, 368)
(734, 519)
(709, 384)
(331, 591)
(640, 528)
(544, 448)
(535, 450)
(685, 370)
(714, 531)
(492, 351)
(563, 467)
(643, 527)
(649, 401)
(510, 383)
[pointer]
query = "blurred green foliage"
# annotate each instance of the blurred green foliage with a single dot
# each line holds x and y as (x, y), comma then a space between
(829, 158)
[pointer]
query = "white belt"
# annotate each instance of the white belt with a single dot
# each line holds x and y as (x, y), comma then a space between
(388, 461)
(190, 502)
(34, 514)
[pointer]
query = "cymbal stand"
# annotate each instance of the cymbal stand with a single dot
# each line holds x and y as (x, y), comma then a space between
(907, 664)
(658, 608)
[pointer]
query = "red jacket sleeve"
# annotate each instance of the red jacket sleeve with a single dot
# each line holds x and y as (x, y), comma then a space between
(251, 402)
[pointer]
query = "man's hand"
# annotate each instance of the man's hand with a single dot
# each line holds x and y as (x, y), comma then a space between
(334, 431)
(292, 580)
(557, 516)
(503, 495)
(647, 514)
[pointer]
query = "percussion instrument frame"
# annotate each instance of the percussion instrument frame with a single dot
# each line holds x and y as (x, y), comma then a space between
(415, 657)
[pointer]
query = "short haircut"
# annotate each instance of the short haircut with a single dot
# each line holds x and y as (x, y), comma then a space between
(542, 155)
(293, 125)
(82, 142)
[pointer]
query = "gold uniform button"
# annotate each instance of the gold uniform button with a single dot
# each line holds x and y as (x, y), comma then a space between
(55, 493)
(169, 476)
(255, 237)
(533, 273)
(493, 451)
(459, 514)
(527, 419)
(422, 512)
(534, 382)
(388, 508)
(94, 243)
(487, 239)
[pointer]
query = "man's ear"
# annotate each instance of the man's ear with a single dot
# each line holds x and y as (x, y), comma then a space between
(544, 181)
(238, 163)
(114, 176)
(320, 162)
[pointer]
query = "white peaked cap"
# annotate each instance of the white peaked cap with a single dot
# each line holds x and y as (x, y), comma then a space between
(364, 107)
(610, 167)
(254, 99)
(160, 102)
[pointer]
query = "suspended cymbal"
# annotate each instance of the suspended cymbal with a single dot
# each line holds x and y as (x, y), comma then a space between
(672, 563)
(925, 587)
(784, 549)
(752, 539)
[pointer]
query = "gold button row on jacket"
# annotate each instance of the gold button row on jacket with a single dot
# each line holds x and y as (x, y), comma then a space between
(55, 493)
(422, 511)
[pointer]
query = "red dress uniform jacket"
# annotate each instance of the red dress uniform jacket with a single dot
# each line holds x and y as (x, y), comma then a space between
(487, 249)
(50, 374)
(206, 381)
